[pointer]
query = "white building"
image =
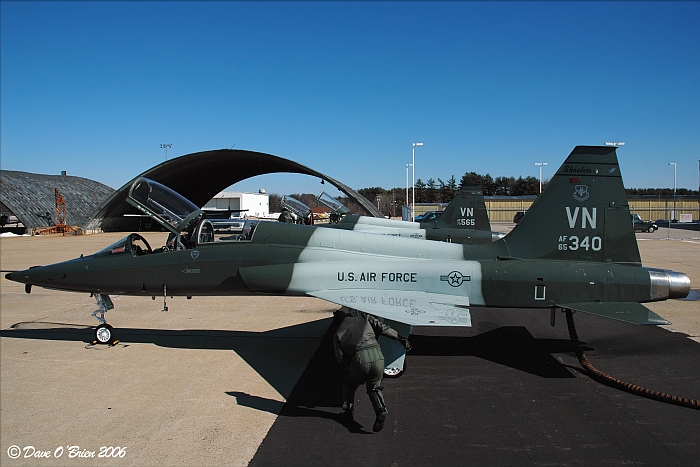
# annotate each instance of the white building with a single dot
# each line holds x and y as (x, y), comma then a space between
(247, 204)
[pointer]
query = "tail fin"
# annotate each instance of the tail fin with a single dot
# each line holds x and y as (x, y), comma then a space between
(467, 211)
(581, 215)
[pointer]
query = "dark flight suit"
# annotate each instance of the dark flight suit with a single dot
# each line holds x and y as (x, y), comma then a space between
(357, 348)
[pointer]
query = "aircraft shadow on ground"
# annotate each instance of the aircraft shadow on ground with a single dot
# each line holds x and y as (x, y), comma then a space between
(511, 346)
(321, 382)
(318, 391)
(268, 353)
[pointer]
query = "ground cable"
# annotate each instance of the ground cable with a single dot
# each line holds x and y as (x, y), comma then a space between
(616, 383)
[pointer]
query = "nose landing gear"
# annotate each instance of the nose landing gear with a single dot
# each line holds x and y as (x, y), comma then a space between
(104, 333)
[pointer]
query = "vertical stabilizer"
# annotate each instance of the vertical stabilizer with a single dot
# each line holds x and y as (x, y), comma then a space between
(467, 211)
(581, 215)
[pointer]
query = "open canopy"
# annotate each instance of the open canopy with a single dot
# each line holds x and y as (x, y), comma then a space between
(170, 209)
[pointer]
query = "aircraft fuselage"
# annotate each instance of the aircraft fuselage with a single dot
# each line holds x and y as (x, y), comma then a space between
(314, 258)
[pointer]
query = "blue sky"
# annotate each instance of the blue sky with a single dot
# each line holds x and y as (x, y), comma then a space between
(94, 88)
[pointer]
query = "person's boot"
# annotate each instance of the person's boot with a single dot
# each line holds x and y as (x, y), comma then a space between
(347, 415)
(379, 422)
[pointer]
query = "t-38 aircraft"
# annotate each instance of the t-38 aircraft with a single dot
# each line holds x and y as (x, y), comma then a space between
(465, 220)
(574, 250)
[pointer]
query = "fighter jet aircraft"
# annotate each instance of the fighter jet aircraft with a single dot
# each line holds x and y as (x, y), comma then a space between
(574, 250)
(465, 220)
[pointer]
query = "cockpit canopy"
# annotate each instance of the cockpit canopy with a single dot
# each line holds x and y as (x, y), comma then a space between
(295, 206)
(187, 223)
(333, 204)
(167, 207)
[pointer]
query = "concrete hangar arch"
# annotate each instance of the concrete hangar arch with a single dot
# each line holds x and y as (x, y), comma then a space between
(202, 175)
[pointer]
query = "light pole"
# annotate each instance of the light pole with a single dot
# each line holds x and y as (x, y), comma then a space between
(540, 164)
(674, 216)
(413, 191)
(166, 146)
(407, 166)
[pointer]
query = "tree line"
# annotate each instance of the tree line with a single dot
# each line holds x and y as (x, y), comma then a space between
(660, 192)
(442, 191)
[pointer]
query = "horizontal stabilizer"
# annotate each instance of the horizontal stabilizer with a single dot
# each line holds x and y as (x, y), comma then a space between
(414, 308)
(630, 312)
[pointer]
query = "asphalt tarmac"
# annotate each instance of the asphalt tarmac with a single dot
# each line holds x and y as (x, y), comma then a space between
(252, 381)
(509, 391)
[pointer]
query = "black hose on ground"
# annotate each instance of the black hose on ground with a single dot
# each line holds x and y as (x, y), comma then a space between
(616, 383)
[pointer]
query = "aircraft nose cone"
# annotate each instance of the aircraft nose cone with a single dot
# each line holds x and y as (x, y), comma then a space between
(21, 276)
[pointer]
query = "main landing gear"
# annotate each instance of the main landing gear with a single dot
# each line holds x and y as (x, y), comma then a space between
(394, 372)
(394, 351)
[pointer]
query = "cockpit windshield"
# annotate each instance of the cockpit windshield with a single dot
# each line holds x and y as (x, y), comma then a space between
(166, 206)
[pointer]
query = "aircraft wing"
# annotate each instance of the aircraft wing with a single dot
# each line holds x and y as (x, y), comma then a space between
(631, 312)
(409, 307)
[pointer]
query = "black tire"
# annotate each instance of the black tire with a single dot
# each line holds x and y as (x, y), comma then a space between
(650, 229)
(104, 334)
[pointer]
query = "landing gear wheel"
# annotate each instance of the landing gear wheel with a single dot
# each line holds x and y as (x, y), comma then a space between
(104, 334)
(395, 372)
(392, 372)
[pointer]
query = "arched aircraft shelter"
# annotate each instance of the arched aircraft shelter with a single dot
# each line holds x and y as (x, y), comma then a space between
(202, 175)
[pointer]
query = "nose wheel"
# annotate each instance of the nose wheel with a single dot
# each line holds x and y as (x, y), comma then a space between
(104, 334)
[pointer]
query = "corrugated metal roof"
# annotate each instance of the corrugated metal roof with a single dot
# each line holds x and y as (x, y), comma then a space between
(30, 196)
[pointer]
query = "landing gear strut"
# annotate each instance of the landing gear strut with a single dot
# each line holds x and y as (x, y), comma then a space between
(104, 333)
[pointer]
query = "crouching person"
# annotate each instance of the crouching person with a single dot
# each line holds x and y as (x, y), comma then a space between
(357, 349)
